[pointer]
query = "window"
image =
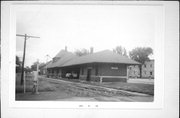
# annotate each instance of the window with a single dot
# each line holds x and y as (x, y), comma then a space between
(151, 65)
(150, 73)
(55, 59)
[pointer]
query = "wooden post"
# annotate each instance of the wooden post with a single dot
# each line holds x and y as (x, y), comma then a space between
(24, 53)
(100, 79)
(37, 77)
(127, 72)
(25, 38)
(24, 82)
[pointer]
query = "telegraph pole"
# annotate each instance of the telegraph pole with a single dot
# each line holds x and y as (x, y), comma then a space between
(46, 63)
(24, 53)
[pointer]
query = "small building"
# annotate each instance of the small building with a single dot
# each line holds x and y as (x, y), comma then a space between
(104, 66)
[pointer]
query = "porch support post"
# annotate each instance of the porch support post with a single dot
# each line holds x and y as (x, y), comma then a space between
(127, 72)
(100, 79)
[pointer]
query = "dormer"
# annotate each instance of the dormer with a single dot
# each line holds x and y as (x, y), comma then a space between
(55, 59)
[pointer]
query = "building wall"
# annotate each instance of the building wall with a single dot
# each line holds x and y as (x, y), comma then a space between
(108, 72)
(147, 70)
(54, 72)
(84, 70)
(113, 70)
(134, 71)
(100, 72)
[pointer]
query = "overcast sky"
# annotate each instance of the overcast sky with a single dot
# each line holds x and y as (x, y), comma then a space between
(83, 26)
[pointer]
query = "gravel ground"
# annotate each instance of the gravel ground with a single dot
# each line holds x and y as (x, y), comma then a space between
(71, 91)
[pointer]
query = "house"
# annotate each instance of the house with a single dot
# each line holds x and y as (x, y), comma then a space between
(104, 66)
(147, 70)
(134, 71)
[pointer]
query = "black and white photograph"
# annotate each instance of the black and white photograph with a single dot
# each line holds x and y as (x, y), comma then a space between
(89, 58)
(85, 53)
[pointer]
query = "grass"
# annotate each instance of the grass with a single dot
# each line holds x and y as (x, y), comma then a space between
(133, 87)
(50, 90)
(45, 86)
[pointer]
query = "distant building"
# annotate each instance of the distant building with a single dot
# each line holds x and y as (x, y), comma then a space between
(134, 71)
(43, 68)
(104, 66)
(147, 70)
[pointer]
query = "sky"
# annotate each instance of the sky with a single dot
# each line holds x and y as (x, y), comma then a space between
(82, 26)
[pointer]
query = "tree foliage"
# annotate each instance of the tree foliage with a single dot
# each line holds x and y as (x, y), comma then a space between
(34, 66)
(81, 52)
(27, 69)
(141, 54)
(18, 65)
(120, 50)
(18, 62)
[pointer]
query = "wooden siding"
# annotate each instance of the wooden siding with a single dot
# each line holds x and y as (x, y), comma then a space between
(104, 69)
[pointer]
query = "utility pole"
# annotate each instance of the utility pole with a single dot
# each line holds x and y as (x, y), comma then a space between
(46, 63)
(36, 90)
(24, 53)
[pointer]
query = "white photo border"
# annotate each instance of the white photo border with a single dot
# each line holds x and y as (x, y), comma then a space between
(159, 62)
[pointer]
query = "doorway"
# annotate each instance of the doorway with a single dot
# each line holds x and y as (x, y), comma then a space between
(88, 75)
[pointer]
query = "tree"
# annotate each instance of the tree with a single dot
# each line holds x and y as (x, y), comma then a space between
(18, 65)
(34, 66)
(120, 50)
(81, 52)
(41, 66)
(27, 69)
(141, 54)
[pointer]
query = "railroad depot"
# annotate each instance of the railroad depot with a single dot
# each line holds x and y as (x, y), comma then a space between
(103, 66)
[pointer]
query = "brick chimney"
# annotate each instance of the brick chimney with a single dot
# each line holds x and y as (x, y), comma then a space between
(91, 50)
(66, 48)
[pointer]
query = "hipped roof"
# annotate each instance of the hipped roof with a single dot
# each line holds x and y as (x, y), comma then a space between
(62, 57)
(48, 64)
(62, 53)
(106, 56)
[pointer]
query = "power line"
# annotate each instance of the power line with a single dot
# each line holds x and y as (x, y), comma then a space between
(24, 52)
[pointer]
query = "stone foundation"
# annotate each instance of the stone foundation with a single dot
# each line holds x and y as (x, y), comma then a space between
(108, 79)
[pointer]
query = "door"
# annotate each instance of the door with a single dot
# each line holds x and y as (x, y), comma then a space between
(88, 74)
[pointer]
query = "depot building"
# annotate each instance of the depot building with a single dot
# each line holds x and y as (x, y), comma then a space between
(103, 66)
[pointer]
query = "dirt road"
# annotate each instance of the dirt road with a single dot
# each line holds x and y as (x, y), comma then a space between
(73, 91)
